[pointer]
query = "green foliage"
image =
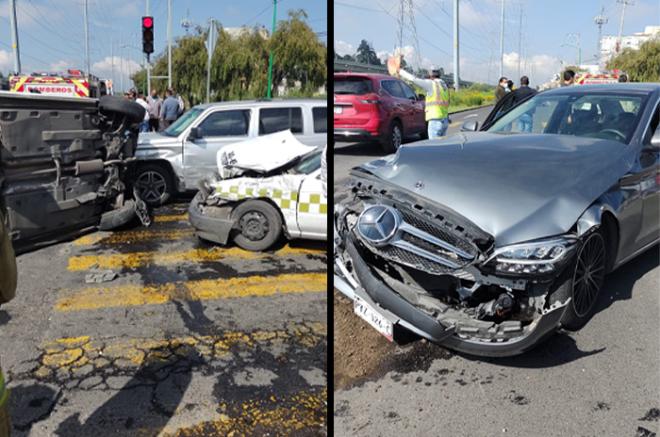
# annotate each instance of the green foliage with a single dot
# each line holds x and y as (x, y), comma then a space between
(641, 65)
(470, 97)
(366, 54)
(239, 66)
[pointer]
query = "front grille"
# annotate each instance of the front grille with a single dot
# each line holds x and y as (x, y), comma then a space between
(423, 245)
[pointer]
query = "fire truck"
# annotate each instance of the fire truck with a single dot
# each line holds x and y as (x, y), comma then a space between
(597, 78)
(73, 83)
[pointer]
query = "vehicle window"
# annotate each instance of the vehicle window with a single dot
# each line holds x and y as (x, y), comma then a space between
(273, 120)
(352, 85)
(320, 115)
(606, 116)
(226, 123)
(653, 126)
(393, 88)
(407, 91)
(309, 163)
(182, 122)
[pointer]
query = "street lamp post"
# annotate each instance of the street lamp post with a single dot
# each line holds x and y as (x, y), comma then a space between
(270, 59)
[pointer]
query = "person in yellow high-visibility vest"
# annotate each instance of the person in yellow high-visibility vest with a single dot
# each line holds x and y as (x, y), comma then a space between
(437, 100)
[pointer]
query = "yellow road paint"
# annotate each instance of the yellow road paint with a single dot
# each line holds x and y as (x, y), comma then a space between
(133, 236)
(279, 416)
(68, 354)
(203, 289)
(140, 259)
(166, 218)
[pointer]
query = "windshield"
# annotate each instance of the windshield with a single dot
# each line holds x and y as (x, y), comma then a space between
(182, 122)
(606, 116)
(308, 163)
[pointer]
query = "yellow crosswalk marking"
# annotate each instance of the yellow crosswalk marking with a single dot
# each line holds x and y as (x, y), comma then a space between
(70, 353)
(166, 218)
(139, 259)
(203, 289)
(133, 236)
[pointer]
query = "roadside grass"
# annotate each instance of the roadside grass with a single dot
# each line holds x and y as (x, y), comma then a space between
(467, 98)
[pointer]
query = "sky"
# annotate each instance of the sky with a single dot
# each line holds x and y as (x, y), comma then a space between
(51, 32)
(545, 46)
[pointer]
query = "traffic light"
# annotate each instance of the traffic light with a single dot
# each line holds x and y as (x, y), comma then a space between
(148, 35)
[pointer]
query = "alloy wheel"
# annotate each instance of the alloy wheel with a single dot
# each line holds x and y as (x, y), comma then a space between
(589, 274)
(151, 186)
(397, 136)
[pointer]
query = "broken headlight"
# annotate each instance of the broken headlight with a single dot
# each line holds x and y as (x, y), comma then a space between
(538, 257)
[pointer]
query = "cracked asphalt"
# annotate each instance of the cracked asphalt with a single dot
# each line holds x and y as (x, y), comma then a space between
(189, 339)
(601, 381)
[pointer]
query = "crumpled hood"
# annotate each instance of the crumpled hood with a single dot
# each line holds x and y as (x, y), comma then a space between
(515, 187)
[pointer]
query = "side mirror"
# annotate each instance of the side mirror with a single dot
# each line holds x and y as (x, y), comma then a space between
(196, 133)
(421, 97)
(655, 140)
(470, 126)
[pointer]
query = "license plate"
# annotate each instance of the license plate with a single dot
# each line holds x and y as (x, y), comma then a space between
(373, 317)
(338, 109)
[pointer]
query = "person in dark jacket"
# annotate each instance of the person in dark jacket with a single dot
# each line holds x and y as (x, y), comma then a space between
(500, 91)
(169, 111)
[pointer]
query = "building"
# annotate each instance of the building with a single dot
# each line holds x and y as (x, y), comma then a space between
(609, 44)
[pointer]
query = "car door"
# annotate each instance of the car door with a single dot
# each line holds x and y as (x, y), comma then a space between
(276, 119)
(650, 184)
(218, 128)
(312, 207)
(401, 106)
(417, 116)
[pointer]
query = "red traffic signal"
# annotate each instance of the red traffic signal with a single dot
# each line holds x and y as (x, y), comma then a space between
(148, 35)
(147, 22)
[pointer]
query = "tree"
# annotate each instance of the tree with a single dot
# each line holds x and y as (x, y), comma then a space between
(366, 54)
(641, 65)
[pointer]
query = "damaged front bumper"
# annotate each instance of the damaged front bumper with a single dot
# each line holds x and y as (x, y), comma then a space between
(211, 222)
(436, 274)
(399, 311)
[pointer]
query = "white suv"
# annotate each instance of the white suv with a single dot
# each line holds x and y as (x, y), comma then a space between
(176, 159)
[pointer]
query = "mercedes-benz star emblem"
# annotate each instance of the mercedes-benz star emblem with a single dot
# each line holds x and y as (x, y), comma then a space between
(378, 223)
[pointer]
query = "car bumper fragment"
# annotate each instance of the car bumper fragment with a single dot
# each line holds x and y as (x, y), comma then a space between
(216, 228)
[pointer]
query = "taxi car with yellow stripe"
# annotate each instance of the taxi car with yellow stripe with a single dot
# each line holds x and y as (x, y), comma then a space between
(266, 188)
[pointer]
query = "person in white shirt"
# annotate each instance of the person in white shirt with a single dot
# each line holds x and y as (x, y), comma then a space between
(144, 126)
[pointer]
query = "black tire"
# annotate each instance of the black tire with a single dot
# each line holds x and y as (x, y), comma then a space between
(394, 138)
(425, 133)
(154, 184)
(259, 225)
(131, 110)
(583, 280)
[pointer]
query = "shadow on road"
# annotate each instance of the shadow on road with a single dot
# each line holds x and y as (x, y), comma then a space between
(145, 403)
(29, 404)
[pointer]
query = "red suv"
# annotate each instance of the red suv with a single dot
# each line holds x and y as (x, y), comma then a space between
(376, 107)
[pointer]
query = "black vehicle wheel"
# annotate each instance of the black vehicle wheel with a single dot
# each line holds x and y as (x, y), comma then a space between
(394, 138)
(259, 224)
(131, 110)
(425, 133)
(584, 280)
(154, 184)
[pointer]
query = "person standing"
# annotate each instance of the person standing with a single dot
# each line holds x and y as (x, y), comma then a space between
(500, 90)
(522, 93)
(144, 126)
(154, 103)
(437, 100)
(169, 111)
(179, 99)
(569, 78)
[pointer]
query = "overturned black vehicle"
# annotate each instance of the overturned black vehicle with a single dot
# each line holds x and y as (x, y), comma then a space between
(66, 165)
(487, 242)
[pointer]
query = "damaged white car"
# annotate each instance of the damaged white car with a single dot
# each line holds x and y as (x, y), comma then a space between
(265, 188)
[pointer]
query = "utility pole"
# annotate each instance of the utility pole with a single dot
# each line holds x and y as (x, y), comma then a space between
(520, 39)
(573, 40)
(86, 40)
(502, 43)
(270, 58)
(146, 59)
(14, 37)
(169, 43)
(623, 14)
(600, 20)
(456, 54)
(112, 61)
(210, 47)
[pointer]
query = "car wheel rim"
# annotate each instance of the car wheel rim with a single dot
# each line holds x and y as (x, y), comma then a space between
(151, 186)
(589, 274)
(396, 137)
(254, 226)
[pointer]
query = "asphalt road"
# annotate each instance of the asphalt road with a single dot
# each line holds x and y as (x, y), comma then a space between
(601, 381)
(189, 339)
